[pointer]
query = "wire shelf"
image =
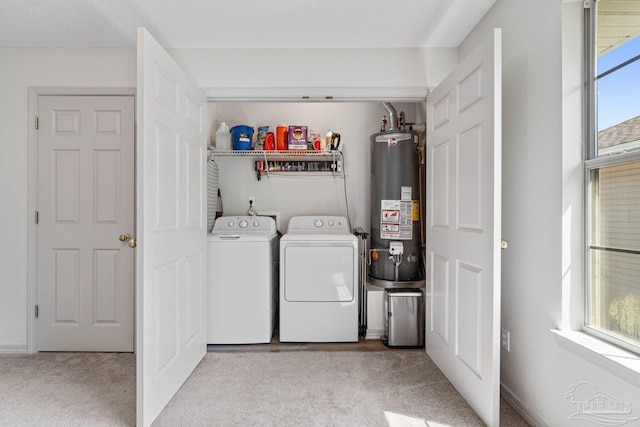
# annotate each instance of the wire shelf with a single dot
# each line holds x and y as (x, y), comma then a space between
(274, 153)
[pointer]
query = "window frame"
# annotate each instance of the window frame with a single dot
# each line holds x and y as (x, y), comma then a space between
(592, 162)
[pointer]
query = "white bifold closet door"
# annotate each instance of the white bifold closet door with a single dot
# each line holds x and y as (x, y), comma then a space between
(171, 224)
(463, 227)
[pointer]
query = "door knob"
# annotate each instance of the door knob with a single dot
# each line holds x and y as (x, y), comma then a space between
(131, 241)
(504, 244)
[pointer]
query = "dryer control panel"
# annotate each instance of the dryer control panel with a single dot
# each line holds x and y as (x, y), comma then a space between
(318, 224)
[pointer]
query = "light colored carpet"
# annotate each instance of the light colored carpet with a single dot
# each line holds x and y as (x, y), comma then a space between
(68, 389)
(343, 388)
(318, 389)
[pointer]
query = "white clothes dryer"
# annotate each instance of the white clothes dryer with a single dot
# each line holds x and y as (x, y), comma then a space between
(243, 280)
(318, 281)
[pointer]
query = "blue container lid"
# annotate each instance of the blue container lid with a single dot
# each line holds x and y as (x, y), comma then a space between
(242, 128)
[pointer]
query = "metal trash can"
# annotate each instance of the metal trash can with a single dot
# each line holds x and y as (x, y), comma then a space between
(403, 318)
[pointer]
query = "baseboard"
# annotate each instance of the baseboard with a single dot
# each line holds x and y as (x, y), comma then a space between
(13, 349)
(522, 409)
(374, 334)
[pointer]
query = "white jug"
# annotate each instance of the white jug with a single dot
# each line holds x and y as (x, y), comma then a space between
(223, 137)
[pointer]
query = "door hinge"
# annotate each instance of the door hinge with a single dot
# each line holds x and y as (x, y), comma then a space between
(586, 4)
(37, 311)
(37, 123)
(37, 217)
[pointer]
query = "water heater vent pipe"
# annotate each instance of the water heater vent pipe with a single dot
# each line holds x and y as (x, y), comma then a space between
(393, 115)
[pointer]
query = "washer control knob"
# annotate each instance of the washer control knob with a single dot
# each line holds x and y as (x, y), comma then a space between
(243, 224)
(331, 224)
(256, 223)
(318, 223)
(230, 224)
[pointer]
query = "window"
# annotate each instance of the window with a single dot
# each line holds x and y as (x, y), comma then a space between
(612, 167)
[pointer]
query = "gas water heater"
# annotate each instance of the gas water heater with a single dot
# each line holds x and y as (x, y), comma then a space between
(395, 255)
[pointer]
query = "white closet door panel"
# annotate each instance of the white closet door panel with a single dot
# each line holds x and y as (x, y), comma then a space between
(107, 170)
(106, 293)
(66, 186)
(171, 288)
(463, 236)
(66, 282)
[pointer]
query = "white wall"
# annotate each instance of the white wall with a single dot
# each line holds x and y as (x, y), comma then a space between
(23, 68)
(542, 204)
(19, 69)
(303, 194)
(313, 68)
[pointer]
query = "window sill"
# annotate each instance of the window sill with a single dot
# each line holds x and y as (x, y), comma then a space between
(622, 363)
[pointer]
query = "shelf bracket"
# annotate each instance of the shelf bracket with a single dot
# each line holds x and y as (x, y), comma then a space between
(266, 164)
(334, 165)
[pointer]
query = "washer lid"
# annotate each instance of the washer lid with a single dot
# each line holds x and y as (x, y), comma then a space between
(244, 238)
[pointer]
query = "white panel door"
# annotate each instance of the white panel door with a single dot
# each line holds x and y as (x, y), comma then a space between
(85, 201)
(463, 227)
(171, 223)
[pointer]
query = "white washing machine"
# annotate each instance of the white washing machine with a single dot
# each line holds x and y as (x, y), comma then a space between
(318, 281)
(243, 280)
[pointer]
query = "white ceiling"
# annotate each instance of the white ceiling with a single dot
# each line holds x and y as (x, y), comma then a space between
(240, 23)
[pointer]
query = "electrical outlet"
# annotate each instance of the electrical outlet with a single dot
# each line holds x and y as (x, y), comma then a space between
(505, 339)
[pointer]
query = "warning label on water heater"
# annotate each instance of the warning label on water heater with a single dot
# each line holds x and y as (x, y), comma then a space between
(396, 217)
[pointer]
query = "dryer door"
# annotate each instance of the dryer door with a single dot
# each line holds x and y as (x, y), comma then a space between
(315, 271)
